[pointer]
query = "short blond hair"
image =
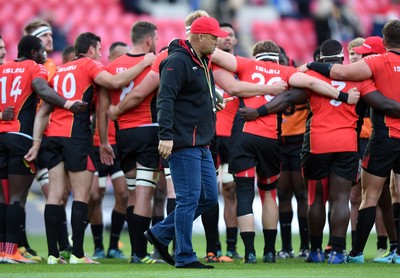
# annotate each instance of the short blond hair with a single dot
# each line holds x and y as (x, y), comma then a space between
(34, 25)
(355, 43)
(195, 15)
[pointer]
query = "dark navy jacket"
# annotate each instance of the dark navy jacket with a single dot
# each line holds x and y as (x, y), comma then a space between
(186, 101)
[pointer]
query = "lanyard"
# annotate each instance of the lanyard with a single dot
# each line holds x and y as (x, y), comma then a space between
(208, 79)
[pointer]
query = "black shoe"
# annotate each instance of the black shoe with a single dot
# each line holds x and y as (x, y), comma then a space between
(162, 249)
(30, 250)
(195, 264)
(269, 258)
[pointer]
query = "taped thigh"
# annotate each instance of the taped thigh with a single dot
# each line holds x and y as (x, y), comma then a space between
(147, 176)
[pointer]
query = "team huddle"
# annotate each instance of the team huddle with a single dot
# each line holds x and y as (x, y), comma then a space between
(192, 117)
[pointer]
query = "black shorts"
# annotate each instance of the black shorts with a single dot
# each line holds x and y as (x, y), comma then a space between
(362, 147)
(223, 147)
(138, 145)
(77, 154)
(249, 150)
(290, 153)
(13, 148)
(382, 156)
(319, 166)
(105, 170)
(43, 156)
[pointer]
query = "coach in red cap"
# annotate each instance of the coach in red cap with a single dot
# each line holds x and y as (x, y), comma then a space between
(371, 45)
(186, 108)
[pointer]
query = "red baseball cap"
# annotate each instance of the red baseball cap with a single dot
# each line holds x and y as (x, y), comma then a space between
(207, 25)
(371, 45)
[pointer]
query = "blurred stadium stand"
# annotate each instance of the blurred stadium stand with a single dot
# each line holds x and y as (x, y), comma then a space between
(108, 19)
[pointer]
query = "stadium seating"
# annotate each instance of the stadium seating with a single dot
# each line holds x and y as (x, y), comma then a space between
(297, 37)
(103, 17)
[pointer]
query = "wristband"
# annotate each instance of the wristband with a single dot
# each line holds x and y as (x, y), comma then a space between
(68, 104)
(343, 97)
(322, 68)
(262, 111)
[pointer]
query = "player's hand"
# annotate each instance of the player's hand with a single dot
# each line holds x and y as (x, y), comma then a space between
(113, 112)
(277, 87)
(248, 114)
(149, 59)
(354, 96)
(221, 105)
(107, 154)
(8, 114)
(32, 153)
(78, 107)
(303, 68)
(165, 148)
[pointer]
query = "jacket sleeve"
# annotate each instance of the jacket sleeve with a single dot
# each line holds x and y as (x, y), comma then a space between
(172, 78)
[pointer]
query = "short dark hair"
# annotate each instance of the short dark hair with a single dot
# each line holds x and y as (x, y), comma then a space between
(332, 48)
(67, 50)
(115, 45)
(84, 41)
(141, 30)
(226, 24)
(27, 44)
(391, 33)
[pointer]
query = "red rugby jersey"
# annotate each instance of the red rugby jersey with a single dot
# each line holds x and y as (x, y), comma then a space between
(262, 73)
(157, 61)
(332, 124)
(386, 75)
(226, 116)
(111, 134)
(143, 114)
(16, 90)
(111, 131)
(74, 81)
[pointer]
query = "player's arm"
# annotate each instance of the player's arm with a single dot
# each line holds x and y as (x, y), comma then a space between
(357, 71)
(302, 80)
(7, 114)
(42, 88)
(106, 152)
(40, 124)
(277, 104)
(224, 60)
(136, 96)
(109, 81)
(377, 101)
(229, 84)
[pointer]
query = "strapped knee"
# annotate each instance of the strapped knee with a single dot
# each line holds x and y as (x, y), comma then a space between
(130, 182)
(226, 176)
(167, 173)
(244, 195)
(42, 176)
(147, 176)
(269, 183)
